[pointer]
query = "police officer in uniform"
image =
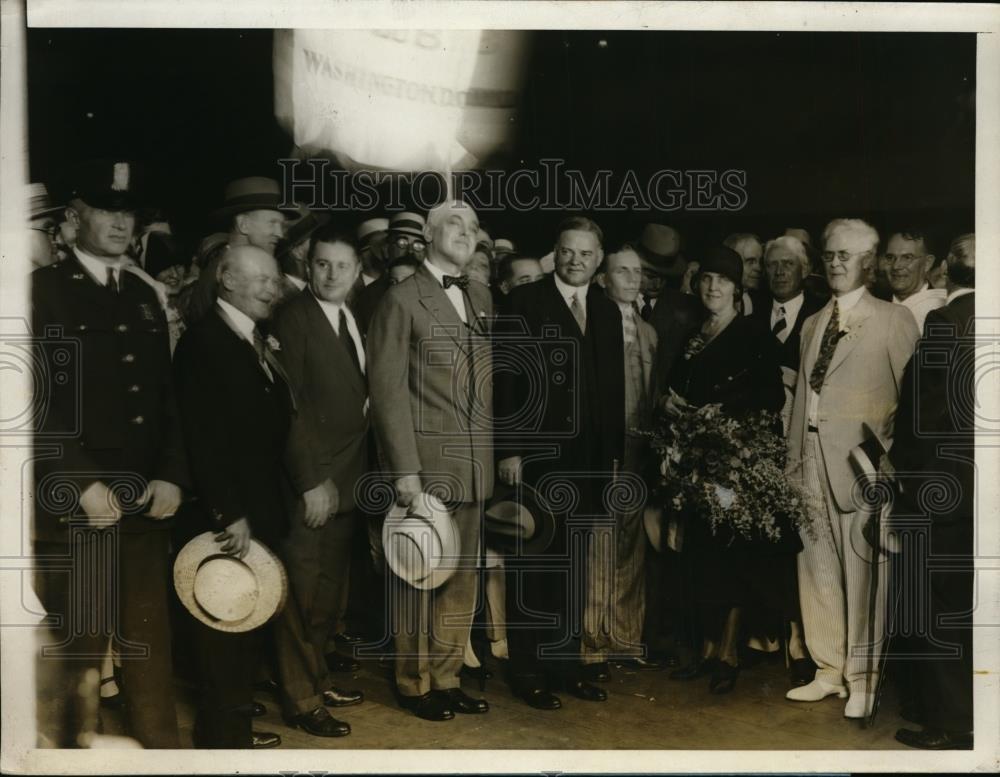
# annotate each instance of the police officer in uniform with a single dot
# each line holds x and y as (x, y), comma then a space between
(109, 463)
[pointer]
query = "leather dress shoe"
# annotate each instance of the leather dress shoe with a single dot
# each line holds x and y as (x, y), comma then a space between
(539, 699)
(859, 705)
(647, 664)
(257, 710)
(802, 672)
(476, 672)
(723, 678)
(459, 701)
(815, 691)
(267, 686)
(345, 638)
(320, 723)
(430, 706)
(338, 663)
(934, 739)
(597, 673)
(337, 697)
(697, 669)
(260, 740)
(586, 691)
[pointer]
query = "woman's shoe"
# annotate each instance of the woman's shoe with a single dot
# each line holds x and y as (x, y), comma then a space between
(723, 678)
(692, 671)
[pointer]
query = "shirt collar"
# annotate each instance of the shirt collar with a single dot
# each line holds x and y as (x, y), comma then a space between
(913, 297)
(567, 291)
(789, 305)
(627, 309)
(847, 301)
(436, 271)
(958, 293)
(97, 266)
(296, 281)
(243, 323)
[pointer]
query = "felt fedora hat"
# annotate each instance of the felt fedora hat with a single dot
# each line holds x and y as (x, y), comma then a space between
(519, 521)
(660, 246)
(301, 228)
(228, 593)
(421, 542)
(253, 193)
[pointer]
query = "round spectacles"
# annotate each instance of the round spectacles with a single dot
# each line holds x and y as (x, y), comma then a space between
(412, 243)
(902, 260)
(843, 256)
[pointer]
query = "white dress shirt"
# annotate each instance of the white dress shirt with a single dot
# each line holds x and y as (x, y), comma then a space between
(845, 303)
(297, 282)
(99, 267)
(244, 324)
(923, 302)
(567, 292)
(332, 313)
(791, 310)
(960, 292)
(453, 293)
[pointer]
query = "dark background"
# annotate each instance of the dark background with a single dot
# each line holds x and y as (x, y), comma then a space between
(825, 124)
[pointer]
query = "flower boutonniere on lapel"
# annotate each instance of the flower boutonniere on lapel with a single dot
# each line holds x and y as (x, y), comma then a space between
(272, 343)
(848, 334)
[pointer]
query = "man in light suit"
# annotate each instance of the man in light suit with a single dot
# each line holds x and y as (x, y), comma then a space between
(615, 605)
(432, 405)
(854, 351)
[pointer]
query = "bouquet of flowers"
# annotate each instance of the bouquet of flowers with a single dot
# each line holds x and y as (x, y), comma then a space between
(728, 472)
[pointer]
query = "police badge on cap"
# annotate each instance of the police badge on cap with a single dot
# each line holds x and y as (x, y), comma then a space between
(109, 184)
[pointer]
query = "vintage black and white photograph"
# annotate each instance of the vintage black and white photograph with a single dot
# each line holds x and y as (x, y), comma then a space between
(479, 378)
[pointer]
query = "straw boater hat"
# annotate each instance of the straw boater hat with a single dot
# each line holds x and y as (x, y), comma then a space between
(407, 223)
(660, 246)
(421, 542)
(254, 193)
(518, 521)
(229, 593)
(502, 246)
(39, 202)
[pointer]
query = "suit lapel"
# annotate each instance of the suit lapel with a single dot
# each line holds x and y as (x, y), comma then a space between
(436, 302)
(329, 343)
(857, 318)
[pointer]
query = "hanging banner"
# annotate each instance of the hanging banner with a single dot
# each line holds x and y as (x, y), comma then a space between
(398, 99)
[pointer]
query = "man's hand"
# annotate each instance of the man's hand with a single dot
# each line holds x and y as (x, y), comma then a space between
(235, 539)
(164, 498)
(331, 489)
(100, 505)
(510, 470)
(407, 488)
(317, 501)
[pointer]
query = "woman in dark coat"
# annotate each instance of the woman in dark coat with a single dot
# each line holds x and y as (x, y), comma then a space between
(730, 361)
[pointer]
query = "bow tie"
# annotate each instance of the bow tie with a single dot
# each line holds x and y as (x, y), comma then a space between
(456, 280)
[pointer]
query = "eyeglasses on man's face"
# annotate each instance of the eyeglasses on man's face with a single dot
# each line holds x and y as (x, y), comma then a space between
(842, 256)
(403, 243)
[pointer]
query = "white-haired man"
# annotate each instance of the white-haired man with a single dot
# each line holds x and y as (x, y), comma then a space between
(854, 351)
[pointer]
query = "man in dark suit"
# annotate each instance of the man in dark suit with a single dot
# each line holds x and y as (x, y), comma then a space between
(934, 442)
(323, 354)
(111, 437)
(430, 364)
(236, 406)
(786, 266)
(574, 431)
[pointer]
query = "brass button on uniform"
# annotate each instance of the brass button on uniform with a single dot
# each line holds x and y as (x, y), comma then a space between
(122, 327)
(138, 420)
(133, 389)
(128, 358)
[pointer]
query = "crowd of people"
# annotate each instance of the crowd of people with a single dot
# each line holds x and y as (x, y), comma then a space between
(266, 388)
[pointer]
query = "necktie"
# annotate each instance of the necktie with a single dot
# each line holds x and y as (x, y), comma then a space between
(826, 348)
(456, 280)
(578, 312)
(647, 310)
(261, 348)
(781, 323)
(347, 340)
(629, 330)
(112, 280)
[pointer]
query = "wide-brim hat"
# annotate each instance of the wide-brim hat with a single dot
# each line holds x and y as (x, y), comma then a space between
(109, 184)
(253, 193)
(39, 202)
(229, 593)
(502, 246)
(421, 542)
(660, 247)
(519, 521)
(407, 223)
